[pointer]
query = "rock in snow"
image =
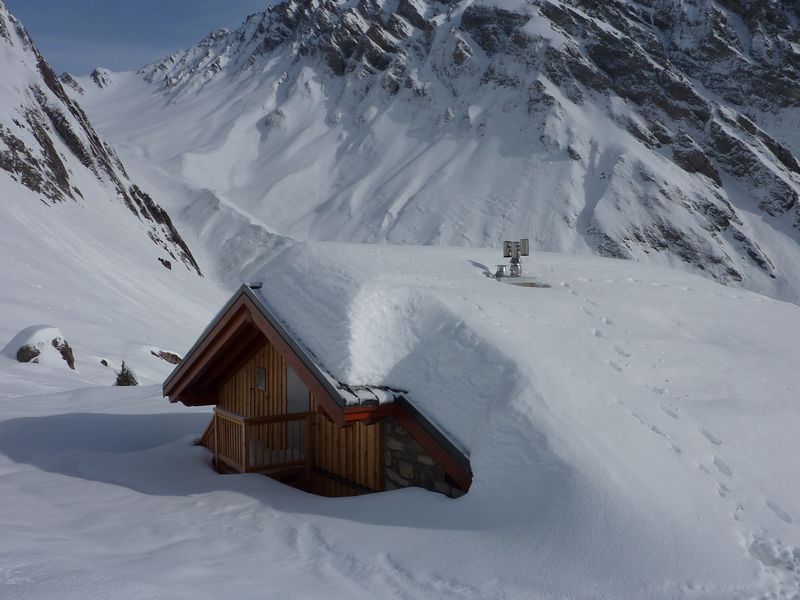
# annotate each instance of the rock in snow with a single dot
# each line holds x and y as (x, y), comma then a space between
(40, 344)
(101, 77)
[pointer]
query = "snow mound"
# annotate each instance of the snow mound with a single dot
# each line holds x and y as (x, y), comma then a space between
(627, 403)
(41, 344)
(632, 432)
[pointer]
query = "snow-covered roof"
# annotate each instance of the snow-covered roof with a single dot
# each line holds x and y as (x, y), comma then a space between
(351, 394)
(430, 321)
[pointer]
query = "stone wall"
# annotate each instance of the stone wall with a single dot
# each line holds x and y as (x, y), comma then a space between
(406, 464)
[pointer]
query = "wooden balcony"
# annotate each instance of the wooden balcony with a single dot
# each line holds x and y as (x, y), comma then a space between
(272, 445)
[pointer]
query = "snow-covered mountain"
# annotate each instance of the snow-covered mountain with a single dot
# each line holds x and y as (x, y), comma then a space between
(86, 255)
(50, 152)
(663, 131)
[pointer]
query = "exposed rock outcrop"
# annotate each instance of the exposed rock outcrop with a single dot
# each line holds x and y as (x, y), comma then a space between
(102, 78)
(169, 357)
(68, 80)
(46, 139)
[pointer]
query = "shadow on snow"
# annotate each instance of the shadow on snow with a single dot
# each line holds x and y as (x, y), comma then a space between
(154, 454)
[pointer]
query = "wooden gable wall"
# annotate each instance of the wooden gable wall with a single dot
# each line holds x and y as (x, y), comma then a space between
(238, 393)
(346, 460)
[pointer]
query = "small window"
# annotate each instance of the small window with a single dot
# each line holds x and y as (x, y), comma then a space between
(261, 379)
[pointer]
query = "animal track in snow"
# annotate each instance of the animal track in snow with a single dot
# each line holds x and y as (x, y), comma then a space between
(670, 411)
(621, 352)
(722, 466)
(638, 417)
(782, 562)
(711, 437)
(586, 311)
(779, 512)
(738, 509)
(671, 443)
(614, 366)
(607, 321)
(597, 333)
(722, 489)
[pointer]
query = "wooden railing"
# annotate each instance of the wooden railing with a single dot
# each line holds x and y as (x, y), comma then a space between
(262, 444)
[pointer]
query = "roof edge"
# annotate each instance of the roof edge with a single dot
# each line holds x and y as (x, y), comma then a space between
(299, 350)
(199, 342)
(432, 430)
(263, 309)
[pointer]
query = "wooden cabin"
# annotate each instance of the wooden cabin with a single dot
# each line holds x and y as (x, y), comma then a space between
(278, 412)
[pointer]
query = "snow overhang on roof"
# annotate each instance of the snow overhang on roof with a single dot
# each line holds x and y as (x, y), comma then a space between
(351, 394)
(342, 394)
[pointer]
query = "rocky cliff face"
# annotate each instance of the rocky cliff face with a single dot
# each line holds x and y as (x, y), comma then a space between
(48, 145)
(659, 130)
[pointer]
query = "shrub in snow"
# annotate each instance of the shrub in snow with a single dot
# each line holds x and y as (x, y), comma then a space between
(125, 376)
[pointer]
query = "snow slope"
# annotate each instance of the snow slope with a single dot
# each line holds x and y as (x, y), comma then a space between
(97, 279)
(82, 247)
(632, 432)
(51, 154)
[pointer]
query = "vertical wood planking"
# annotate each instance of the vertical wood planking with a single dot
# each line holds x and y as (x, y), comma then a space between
(353, 453)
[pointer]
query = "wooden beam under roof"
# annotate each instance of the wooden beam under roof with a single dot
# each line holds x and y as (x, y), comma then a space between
(242, 347)
(222, 331)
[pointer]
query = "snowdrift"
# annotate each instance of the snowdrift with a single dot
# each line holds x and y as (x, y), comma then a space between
(40, 344)
(632, 432)
(634, 405)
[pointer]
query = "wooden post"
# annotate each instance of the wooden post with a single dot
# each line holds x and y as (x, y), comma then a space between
(216, 443)
(308, 449)
(245, 449)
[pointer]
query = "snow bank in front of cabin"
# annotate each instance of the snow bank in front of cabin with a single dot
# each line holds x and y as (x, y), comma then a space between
(624, 413)
(632, 431)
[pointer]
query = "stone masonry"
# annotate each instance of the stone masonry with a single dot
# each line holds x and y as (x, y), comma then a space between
(406, 464)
